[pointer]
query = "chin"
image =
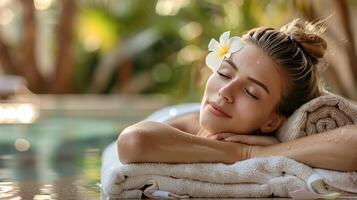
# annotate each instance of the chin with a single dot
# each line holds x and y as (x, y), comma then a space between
(212, 125)
(208, 123)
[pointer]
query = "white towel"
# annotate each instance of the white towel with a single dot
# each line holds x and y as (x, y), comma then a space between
(258, 177)
(329, 111)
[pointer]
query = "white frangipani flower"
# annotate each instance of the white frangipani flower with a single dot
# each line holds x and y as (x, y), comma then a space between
(222, 49)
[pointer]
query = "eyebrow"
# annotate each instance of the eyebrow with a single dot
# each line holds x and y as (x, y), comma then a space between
(231, 63)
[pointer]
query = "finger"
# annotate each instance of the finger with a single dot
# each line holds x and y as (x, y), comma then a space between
(224, 135)
(219, 136)
(210, 136)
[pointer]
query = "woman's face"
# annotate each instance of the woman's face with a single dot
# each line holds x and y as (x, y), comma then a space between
(246, 87)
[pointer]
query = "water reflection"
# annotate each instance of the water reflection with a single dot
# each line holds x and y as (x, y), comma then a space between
(78, 158)
(9, 190)
(58, 156)
(65, 188)
(16, 164)
(91, 172)
(75, 165)
(47, 192)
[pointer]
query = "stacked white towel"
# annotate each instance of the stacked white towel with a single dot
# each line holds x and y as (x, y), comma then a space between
(258, 177)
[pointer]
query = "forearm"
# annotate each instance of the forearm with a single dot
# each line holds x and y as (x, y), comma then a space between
(157, 142)
(335, 149)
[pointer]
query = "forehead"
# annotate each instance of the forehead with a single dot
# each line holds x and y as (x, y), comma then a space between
(253, 62)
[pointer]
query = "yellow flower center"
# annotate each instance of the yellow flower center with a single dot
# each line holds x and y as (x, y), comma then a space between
(223, 50)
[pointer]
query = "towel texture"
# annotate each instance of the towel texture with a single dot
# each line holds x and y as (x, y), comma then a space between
(329, 111)
(258, 177)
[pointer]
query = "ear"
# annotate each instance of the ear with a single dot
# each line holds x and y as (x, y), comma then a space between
(273, 124)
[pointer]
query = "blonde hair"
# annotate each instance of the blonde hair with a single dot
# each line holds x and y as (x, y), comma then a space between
(297, 48)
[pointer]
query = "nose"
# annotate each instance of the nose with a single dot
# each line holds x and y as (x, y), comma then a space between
(226, 92)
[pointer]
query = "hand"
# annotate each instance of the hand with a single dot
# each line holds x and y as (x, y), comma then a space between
(246, 139)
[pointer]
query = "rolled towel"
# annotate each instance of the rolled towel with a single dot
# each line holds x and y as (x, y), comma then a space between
(329, 111)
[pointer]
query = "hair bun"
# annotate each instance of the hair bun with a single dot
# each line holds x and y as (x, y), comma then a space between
(307, 35)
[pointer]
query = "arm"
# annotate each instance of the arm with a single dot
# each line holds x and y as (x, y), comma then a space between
(335, 149)
(149, 141)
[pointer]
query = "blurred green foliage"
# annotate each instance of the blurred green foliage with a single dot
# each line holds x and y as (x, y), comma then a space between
(152, 46)
(175, 64)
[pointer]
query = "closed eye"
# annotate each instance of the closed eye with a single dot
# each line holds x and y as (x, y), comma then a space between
(250, 94)
(246, 91)
(225, 76)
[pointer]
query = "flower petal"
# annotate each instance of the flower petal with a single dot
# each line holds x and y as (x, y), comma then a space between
(236, 44)
(213, 60)
(227, 55)
(224, 38)
(213, 45)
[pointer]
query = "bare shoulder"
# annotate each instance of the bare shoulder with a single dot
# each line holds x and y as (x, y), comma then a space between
(188, 123)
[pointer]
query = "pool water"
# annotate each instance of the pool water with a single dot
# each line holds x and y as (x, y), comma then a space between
(59, 156)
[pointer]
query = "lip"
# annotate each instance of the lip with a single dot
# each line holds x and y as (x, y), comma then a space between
(217, 110)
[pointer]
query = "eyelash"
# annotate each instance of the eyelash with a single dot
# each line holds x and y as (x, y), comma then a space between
(250, 94)
(246, 91)
(225, 76)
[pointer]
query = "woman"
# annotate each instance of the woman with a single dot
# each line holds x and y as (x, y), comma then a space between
(253, 90)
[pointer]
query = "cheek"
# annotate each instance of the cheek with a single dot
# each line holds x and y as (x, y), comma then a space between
(249, 115)
(211, 89)
(246, 110)
(212, 84)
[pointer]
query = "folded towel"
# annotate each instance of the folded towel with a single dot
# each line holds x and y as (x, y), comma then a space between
(258, 177)
(329, 111)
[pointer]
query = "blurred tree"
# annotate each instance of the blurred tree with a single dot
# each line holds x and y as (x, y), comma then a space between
(63, 79)
(140, 46)
(27, 65)
(336, 33)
